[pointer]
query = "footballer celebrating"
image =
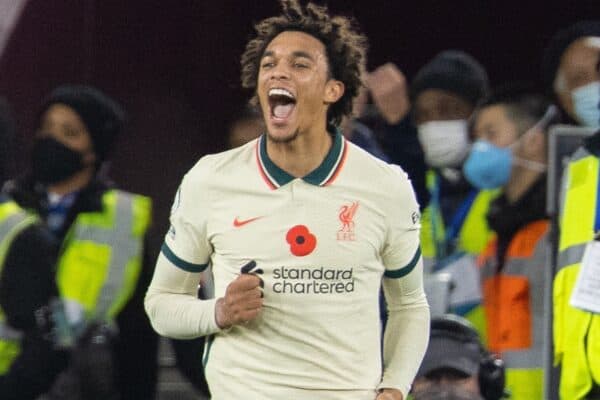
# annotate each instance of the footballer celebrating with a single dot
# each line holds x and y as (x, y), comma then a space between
(301, 229)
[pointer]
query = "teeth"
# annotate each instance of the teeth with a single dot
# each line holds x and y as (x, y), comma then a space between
(280, 92)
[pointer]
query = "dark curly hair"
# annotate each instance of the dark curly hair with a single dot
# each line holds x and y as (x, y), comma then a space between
(345, 48)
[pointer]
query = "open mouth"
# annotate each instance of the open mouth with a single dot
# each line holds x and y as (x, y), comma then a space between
(282, 103)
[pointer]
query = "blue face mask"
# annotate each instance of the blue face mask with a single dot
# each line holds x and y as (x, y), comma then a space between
(488, 166)
(586, 102)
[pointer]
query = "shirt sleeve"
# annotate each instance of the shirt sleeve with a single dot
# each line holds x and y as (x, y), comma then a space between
(402, 251)
(172, 305)
(171, 301)
(407, 331)
(186, 244)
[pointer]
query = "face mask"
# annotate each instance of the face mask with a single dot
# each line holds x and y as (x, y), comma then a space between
(445, 143)
(586, 102)
(54, 162)
(488, 166)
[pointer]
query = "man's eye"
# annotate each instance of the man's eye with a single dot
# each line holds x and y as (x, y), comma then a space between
(300, 65)
(267, 65)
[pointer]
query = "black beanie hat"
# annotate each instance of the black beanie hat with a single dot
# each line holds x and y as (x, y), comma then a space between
(559, 44)
(102, 115)
(453, 71)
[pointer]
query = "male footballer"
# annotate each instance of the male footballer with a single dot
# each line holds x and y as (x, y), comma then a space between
(301, 229)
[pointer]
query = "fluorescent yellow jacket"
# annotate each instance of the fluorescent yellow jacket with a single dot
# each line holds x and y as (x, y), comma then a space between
(101, 259)
(101, 256)
(474, 232)
(13, 220)
(576, 332)
(471, 238)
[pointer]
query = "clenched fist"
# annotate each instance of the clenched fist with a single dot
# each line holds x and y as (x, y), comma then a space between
(390, 394)
(243, 299)
(389, 91)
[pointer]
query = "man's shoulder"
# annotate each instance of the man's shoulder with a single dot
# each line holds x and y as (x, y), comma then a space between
(216, 165)
(363, 163)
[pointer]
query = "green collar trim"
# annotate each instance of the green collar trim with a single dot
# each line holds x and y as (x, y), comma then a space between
(323, 175)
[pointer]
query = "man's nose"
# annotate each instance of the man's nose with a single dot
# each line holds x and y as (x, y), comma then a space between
(280, 71)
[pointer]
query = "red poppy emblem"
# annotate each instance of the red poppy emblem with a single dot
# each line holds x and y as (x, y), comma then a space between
(301, 241)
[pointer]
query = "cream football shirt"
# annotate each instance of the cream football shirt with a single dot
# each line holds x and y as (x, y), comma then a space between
(322, 245)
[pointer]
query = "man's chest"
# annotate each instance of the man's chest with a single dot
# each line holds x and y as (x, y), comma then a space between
(299, 233)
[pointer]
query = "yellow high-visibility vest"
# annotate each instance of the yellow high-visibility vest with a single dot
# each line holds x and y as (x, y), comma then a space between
(576, 332)
(101, 257)
(474, 232)
(13, 220)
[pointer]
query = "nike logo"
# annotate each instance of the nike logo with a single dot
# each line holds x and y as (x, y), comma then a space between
(241, 222)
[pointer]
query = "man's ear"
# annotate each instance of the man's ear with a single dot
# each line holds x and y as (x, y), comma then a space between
(334, 90)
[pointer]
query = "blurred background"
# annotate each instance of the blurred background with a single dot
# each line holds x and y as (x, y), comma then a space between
(175, 65)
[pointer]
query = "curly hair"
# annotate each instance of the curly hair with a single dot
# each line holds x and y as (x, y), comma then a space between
(345, 48)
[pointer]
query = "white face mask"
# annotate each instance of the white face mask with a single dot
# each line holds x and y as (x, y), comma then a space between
(445, 143)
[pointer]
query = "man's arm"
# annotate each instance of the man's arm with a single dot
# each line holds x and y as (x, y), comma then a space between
(407, 331)
(172, 304)
(171, 299)
(176, 312)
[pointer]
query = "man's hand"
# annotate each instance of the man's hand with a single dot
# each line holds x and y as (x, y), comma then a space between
(390, 394)
(389, 91)
(242, 301)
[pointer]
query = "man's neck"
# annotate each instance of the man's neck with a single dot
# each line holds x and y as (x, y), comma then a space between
(302, 155)
(74, 183)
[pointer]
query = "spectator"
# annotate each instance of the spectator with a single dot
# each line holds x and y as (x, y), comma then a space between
(444, 94)
(442, 97)
(456, 364)
(510, 152)
(103, 266)
(570, 71)
(27, 254)
(577, 322)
